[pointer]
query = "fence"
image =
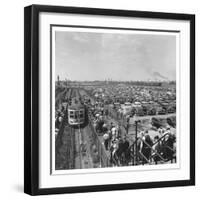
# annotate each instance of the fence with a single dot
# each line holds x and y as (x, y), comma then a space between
(121, 120)
(103, 157)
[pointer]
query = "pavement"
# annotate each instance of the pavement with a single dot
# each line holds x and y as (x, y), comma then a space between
(132, 119)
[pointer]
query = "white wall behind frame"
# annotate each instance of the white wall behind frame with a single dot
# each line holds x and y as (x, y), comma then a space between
(11, 101)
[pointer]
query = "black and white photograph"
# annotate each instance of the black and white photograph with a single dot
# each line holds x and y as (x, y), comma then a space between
(114, 98)
(109, 100)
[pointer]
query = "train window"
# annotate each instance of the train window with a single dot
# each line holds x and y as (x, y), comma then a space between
(71, 114)
(76, 114)
(81, 114)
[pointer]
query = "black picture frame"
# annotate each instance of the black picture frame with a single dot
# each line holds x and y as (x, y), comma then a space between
(31, 98)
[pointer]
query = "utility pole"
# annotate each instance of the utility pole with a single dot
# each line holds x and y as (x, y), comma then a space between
(127, 124)
(79, 122)
(136, 139)
(136, 148)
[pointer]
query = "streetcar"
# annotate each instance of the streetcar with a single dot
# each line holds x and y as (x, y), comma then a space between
(76, 113)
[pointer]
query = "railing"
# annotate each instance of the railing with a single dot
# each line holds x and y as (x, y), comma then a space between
(136, 153)
(153, 150)
(166, 146)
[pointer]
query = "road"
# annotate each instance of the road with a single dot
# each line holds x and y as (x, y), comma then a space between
(132, 119)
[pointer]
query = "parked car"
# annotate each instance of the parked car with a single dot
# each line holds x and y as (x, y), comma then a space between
(161, 111)
(171, 110)
(155, 122)
(152, 111)
(140, 111)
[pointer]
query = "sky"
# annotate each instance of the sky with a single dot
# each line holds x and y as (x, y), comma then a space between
(89, 56)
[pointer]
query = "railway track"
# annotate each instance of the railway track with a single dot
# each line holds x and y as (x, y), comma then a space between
(65, 149)
(72, 146)
(64, 145)
(83, 158)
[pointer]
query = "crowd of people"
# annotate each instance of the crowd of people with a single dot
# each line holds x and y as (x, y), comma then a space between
(121, 150)
(160, 148)
(114, 141)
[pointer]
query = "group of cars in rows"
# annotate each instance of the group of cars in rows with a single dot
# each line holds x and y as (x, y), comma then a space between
(140, 100)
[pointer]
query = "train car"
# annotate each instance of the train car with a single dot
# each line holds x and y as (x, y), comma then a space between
(76, 113)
